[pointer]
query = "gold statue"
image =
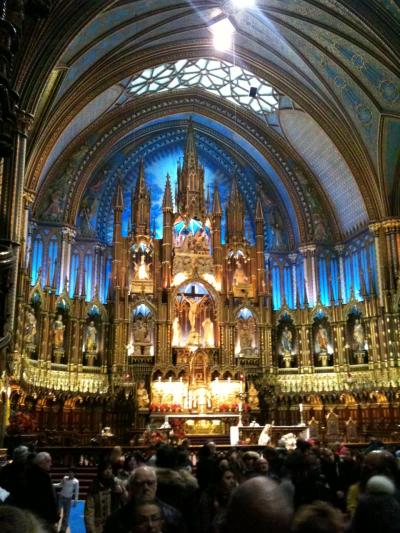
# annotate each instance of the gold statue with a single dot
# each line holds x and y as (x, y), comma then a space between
(176, 332)
(58, 332)
(142, 396)
(253, 400)
(208, 328)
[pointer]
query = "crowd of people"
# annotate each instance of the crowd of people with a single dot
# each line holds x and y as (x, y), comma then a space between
(311, 489)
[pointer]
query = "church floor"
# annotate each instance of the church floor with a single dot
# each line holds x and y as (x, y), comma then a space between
(76, 523)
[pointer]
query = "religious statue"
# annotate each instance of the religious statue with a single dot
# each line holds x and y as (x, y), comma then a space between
(142, 396)
(142, 269)
(176, 332)
(199, 242)
(322, 338)
(265, 435)
(208, 328)
(91, 337)
(141, 337)
(252, 397)
(239, 276)
(286, 340)
(192, 313)
(245, 335)
(58, 332)
(358, 335)
(30, 327)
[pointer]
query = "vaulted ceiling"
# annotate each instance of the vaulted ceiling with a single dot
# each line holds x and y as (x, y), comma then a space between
(325, 155)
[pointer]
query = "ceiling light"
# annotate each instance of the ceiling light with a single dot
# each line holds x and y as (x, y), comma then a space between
(243, 4)
(222, 31)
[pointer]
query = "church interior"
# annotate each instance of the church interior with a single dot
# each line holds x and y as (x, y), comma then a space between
(200, 218)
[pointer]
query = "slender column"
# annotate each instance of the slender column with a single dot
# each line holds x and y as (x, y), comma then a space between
(67, 236)
(381, 260)
(342, 286)
(308, 253)
(293, 259)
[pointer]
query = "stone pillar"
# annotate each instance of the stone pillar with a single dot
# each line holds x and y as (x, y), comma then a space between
(308, 253)
(342, 285)
(381, 259)
(67, 236)
(293, 259)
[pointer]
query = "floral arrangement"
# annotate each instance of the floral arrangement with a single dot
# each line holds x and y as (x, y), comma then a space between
(165, 407)
(226, 407)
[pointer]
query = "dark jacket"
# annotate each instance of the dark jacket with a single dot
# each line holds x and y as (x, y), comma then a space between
(122, 520)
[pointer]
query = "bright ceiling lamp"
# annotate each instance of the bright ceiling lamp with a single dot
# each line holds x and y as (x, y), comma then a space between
(222, 31)
(243, 4)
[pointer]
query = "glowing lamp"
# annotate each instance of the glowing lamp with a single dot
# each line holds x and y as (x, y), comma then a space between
(222, 31)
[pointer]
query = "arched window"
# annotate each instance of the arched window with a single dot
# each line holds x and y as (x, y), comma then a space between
(276, 287)
(107, 279)
(334, 264)
(323, 281)
(288, 285)
(356, 275)
(52, 255)
(73, 274)
(37, 258)
(300, 282)
(88, 266)
(348, 277)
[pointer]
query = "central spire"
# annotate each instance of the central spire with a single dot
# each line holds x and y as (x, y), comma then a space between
(191, 180)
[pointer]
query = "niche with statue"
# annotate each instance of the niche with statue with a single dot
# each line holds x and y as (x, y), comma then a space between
(322, 341)
(141, 266)
(92, 336)
(141, 341)
(239, 274)
(356, 342)
(58, 331)
(245, 333)
(194, 323)
(286, 342)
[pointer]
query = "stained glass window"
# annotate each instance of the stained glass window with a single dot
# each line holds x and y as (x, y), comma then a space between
(218, 77)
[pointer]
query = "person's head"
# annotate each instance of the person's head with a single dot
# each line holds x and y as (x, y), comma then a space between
(43, 461)
(249, 459)
(258, 505)
(376, 512)
(318, 517)
(14, 520)
(227, 481)
(142, 484)
(20, 454)
(71, 473)
(104, 471)
(380, 485)
(147, 517)
(262, 466)
(116, 454)
(379, 462)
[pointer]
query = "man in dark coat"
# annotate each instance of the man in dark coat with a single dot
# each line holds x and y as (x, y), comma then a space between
(38, 494)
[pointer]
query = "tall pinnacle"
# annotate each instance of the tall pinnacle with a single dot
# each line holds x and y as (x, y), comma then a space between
(141, 204)
(216, 206)
(167, 199)
(118, 198)
(191, 180)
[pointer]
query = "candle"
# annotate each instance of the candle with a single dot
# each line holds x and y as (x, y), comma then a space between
(300, 407)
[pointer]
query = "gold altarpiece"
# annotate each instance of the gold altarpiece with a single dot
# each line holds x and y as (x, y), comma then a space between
(188, 328)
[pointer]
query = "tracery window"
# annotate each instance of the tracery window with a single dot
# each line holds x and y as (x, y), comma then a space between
(218, 77)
